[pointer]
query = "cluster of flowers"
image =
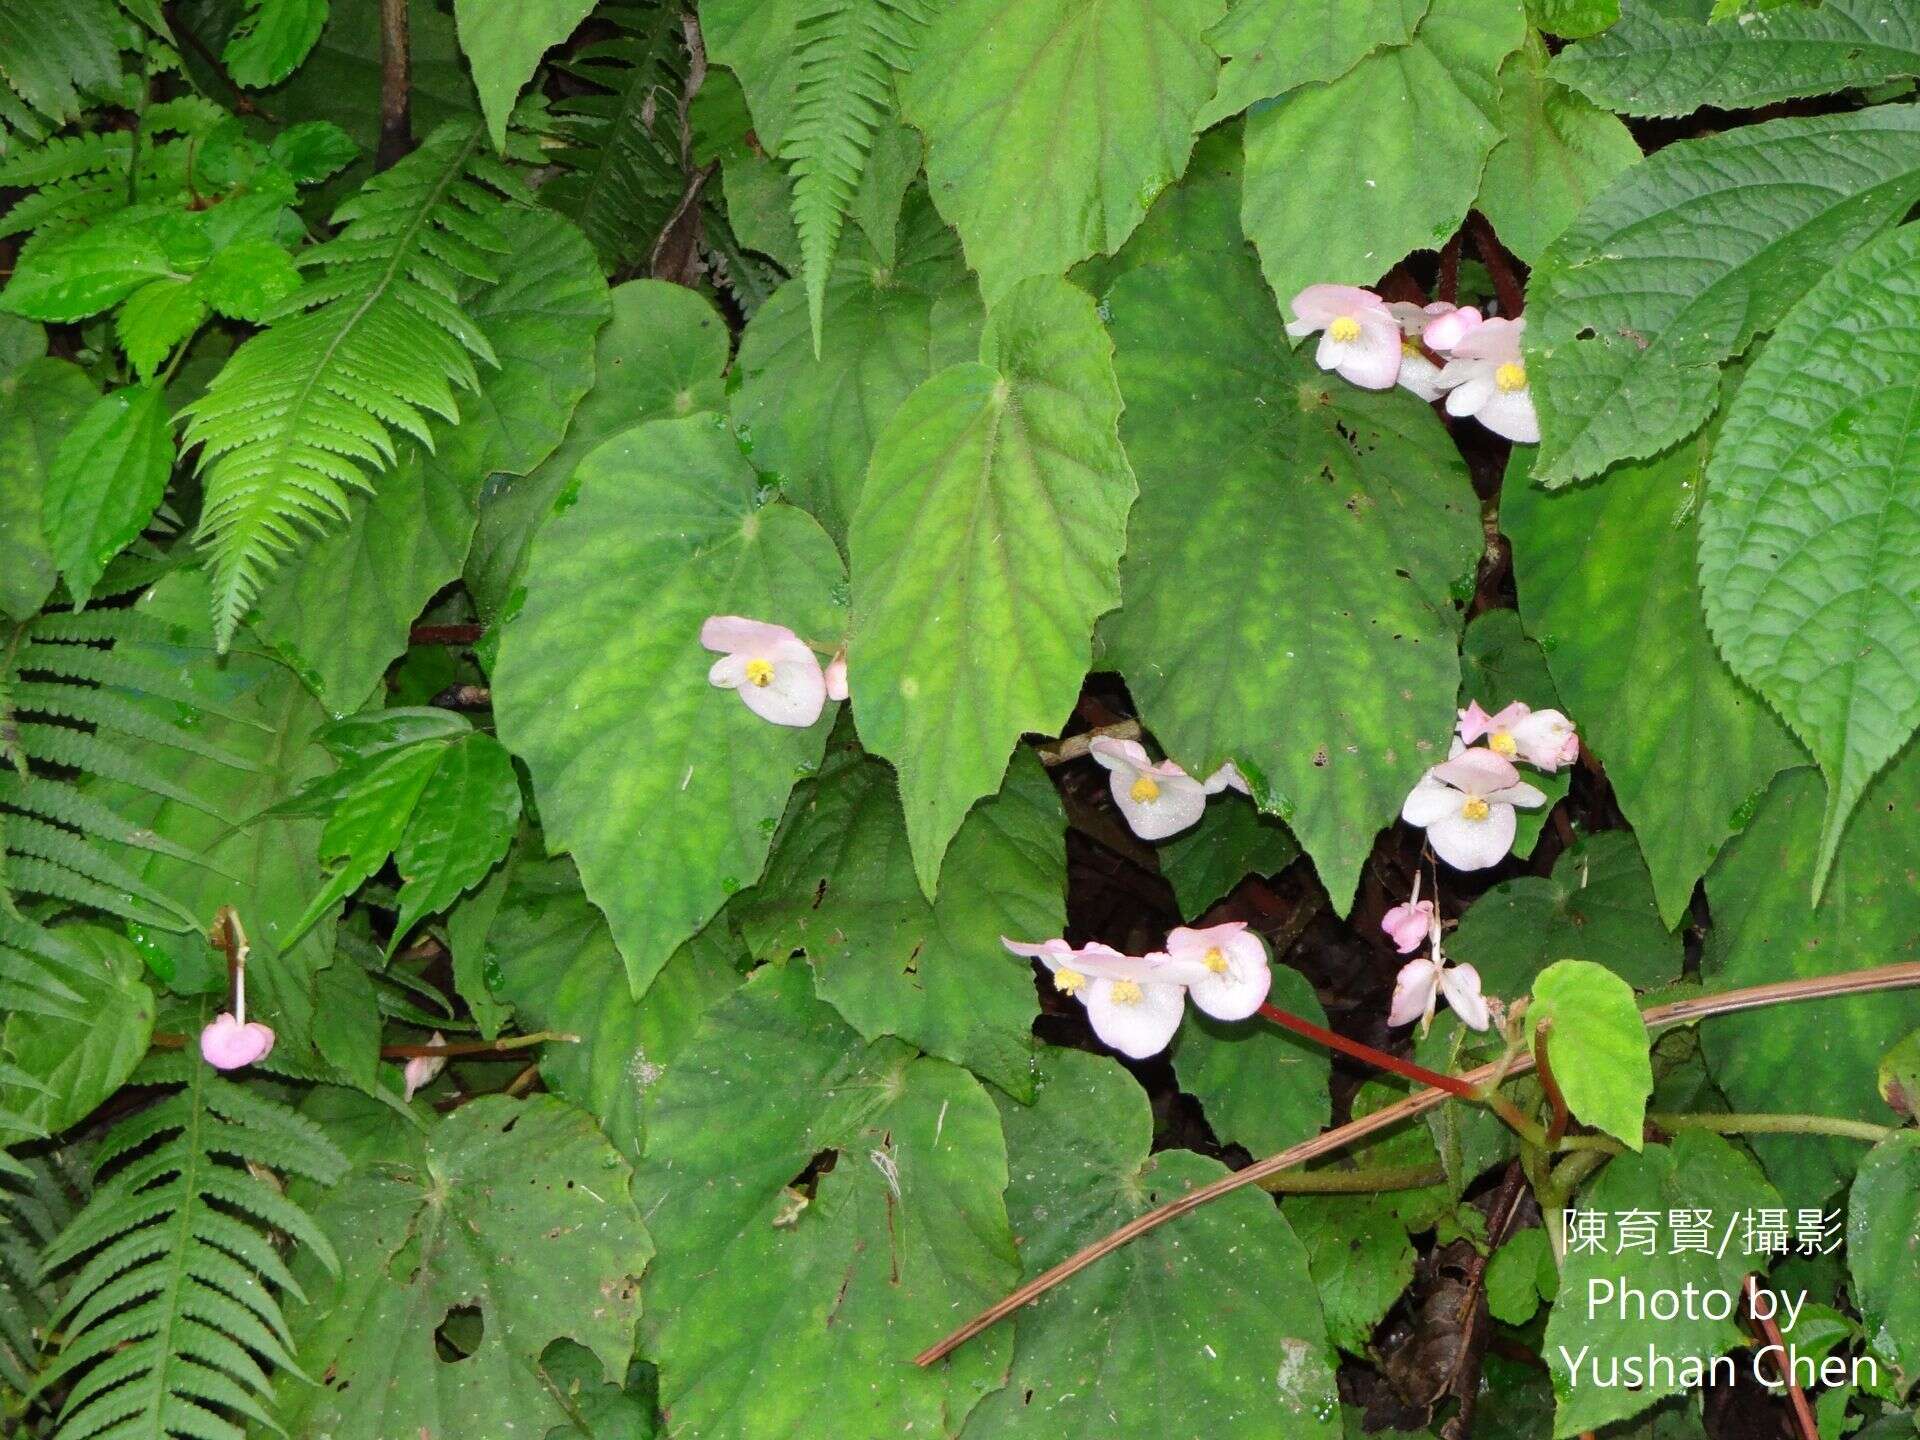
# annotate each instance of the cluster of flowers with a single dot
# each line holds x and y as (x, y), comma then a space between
(1376, 346)
(774, 671)
(1135, 1002)
(1466, 803)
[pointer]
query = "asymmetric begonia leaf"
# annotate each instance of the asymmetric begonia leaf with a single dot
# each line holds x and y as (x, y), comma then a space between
(1360, 1257)
(1343, 179)
(1288, 604)
(661, 357)
(889, 324)
(1259, 1085)
(504, 43)
(1559, 152)
(546, 952)
(784, 1291)
(1232, 840)
(1697, 1171)
(841, 887)
(1052, 124)
(1883, 1217)
(1810, 535)
(1273, 46)
(1607, 585)
(1817, 1057)
(518, 1210)
(1684, 259)
(107, 478)
(986, 543)
(61, 1066)
(1207, 1326)
(1598, 905)
(40, 404)
(1664, 58)
(665, 789)
(1597, 1044)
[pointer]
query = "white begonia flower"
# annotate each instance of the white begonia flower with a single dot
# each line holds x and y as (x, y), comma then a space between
(1360, 339)
(1158, 800)
(1421, 982)
(1226, 968)
(775, 672)
(1485, 377)
(1134, 1003)
(419, 1072)
(1465, 805)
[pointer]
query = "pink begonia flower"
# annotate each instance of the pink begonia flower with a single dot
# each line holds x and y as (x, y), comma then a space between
(1412, 924)
(1133, 1002)
(1361, 339)
(1544, 739)
(837, 675)
(419, 1072)
(1486, 378)
(1158, 800)
(228, 1042)
(1447, 325)
(773, 669)
(1226, 968)
(1465, 805)
(1227, 777)
(1420, 983)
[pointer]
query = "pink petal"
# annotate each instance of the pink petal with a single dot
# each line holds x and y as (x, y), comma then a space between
(1318, 306)
(1121, 756)
(419, 1072)
(1542, 739)
(1445, 332)
(837, 676)
(736, 632)
(1477, 771)
(1409, 925)
(226, 1044)
(1474, 722)
(1496, 340)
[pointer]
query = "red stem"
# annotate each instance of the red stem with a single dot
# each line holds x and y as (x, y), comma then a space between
(1379, 1059)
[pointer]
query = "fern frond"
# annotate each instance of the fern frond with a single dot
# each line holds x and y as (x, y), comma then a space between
(618, 159)
(65, 710)
(304, 412)
(79, 178)
(847, 54)
(50, 57)
(37, 1199)
(170, 1323)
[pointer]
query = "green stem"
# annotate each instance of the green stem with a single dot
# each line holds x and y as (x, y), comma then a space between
(1778, 1124)
(1353, 1182)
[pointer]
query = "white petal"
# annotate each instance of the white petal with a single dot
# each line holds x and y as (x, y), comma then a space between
(1510, 414)
(1461, 985)
(1051, 951)
(1495, 342)
(1373, 361)
(1228, 777)
(1121, 756)
(1138, 1029)
(1180, 802)
(1468, 394)
(1418, 374)
(1413, 990)
(795, 696)
(1473, 844)
(729, 672)
(1541, 738)
(1431, 800)
(837, 677)
(1524, 795)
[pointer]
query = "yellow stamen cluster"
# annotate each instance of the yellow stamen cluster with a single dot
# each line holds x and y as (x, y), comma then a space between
(1068, 982)
(1346, 329)
(760, 673)
(1127, 992)
(1475, 808)
(1510, 377)
(1501, 743)
(1214, 960)
(1144, 789)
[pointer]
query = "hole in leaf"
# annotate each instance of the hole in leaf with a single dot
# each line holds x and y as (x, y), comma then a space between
(459, 1335)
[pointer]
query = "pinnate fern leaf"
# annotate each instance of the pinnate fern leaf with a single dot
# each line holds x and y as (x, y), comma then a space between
(169, 1321)
(64, 682)
(848, 52)
(618, 163)
(375, 341)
